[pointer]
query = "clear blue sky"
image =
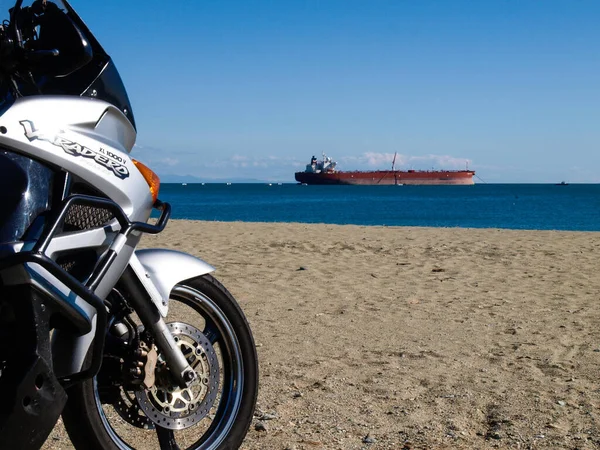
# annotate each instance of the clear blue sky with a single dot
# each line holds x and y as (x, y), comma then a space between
(252, 89)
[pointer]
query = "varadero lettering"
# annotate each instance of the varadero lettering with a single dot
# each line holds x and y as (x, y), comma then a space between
(107, 159)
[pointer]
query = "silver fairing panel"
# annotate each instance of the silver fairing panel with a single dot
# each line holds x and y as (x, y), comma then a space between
(90, 139)
(86, 137)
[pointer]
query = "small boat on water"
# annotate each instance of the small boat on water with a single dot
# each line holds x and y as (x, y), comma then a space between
(562, 183)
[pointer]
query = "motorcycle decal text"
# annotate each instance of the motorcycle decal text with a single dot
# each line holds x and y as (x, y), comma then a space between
(103, 157)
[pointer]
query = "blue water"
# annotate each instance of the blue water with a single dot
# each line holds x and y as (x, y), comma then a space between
(515, 206)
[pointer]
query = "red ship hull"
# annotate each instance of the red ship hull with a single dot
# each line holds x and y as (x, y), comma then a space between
(389, 177)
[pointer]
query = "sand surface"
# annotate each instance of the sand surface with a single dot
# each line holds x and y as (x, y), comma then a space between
(414, 337)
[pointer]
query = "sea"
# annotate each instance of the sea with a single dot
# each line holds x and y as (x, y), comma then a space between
(574, 207)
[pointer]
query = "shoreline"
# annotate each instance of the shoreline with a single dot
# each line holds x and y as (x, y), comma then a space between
(413, 227)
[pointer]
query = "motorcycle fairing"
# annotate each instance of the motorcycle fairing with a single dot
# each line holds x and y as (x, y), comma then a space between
(93, 124)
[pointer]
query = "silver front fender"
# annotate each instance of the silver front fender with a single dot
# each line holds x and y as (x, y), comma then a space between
(166, 268)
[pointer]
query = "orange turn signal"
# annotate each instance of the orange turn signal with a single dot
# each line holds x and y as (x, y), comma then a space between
(150, 177)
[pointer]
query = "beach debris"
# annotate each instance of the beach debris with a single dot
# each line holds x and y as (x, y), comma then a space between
(496, 422)
(302, 268)
(561, 402)
(368, 439)
(268, 416)
(260, 426)
(374, 276)
(297, 394)
(438, 269)
(312, 443)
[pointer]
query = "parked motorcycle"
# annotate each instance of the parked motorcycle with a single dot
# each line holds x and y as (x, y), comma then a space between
(135, 348)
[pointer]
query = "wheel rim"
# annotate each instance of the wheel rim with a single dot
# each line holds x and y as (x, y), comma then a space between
(218, 329)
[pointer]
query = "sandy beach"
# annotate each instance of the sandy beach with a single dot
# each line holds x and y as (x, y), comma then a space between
(391, 338)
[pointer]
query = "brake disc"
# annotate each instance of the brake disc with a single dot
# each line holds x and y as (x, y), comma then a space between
(166, 404)
(128, 408)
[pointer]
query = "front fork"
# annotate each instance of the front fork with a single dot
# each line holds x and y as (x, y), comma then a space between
(156, 326)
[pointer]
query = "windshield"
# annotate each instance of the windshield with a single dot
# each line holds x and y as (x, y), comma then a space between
(58, 56)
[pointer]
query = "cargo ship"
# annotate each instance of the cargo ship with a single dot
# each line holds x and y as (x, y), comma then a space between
(325, 172)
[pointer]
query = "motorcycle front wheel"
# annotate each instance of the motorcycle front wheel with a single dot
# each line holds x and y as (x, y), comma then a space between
(214, 334)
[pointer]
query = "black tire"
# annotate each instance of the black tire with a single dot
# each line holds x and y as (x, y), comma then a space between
(87, 423)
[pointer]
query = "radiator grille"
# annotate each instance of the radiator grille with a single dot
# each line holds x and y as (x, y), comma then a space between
(83, 217)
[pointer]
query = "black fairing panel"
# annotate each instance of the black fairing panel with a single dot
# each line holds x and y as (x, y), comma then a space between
(25, 189)
(97, 79)
(89, 70)
(32, 397)
(114, 91)
(109, 87)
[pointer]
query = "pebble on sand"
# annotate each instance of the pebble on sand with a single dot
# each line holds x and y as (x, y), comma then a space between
(368, 439)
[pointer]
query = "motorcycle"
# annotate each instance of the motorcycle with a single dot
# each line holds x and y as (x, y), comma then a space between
(134, 348)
